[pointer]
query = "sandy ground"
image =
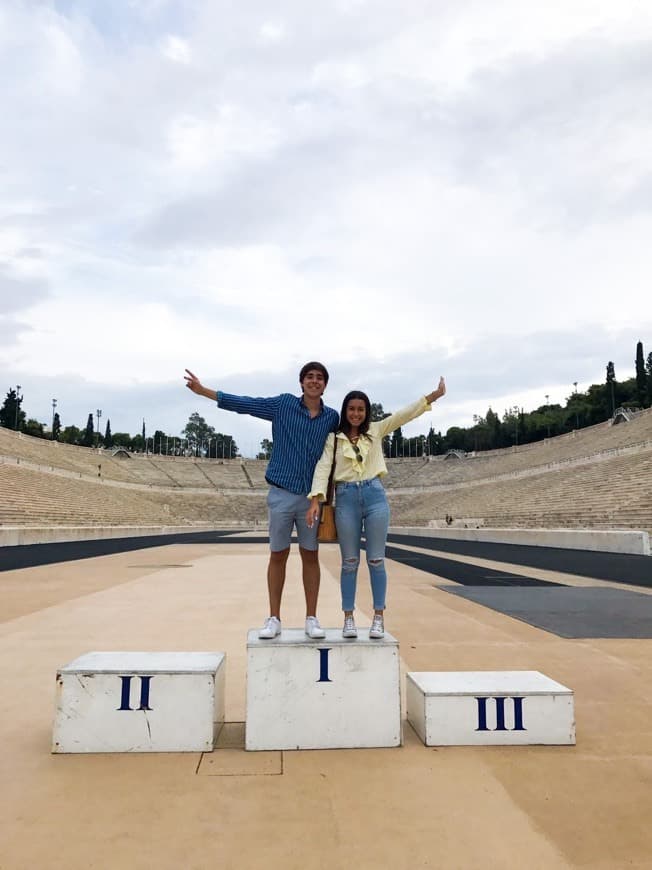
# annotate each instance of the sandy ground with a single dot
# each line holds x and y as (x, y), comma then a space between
(586, 806)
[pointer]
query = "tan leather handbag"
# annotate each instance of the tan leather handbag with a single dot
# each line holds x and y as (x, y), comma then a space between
(327, 531)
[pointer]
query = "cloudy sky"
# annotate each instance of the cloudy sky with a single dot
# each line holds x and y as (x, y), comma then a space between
(457, 187)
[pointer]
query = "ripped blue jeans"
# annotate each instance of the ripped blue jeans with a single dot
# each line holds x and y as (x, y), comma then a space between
(362, 507)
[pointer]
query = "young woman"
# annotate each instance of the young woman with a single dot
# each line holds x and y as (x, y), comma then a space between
(361, 504)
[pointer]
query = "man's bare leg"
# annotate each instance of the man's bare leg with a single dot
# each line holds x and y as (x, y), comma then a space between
(311, 578)
(276, 580)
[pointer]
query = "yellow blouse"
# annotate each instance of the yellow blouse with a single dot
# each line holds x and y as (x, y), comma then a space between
(347, 467)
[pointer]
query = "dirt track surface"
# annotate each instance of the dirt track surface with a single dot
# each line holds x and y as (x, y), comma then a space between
(484, 807)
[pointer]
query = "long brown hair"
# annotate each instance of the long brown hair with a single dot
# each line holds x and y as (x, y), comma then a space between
(345, 426)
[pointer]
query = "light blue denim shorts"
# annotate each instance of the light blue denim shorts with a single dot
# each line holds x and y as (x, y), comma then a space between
(287, 511)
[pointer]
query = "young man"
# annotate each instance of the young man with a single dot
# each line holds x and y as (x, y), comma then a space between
(300, 426)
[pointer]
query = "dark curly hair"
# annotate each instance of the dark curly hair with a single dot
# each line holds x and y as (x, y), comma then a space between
(313, 366)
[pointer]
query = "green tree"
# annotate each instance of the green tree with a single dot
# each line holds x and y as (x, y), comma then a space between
(414, 446)
(265, 449)
(396, 448)
(56, 426)
(34, 428)
(648, 370)
(577, 411)
(225, 447)
(11, 414)
(455, 438)
(434, 442)
(641, 376)
(378, 413)
(71, 435)
(121, 439)
(108, 437)
(158, 443)
(197, 431)
(511, 425)
(87, 438)
(494, 428)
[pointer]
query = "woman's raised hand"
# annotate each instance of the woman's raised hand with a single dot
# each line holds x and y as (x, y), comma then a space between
(438, 393)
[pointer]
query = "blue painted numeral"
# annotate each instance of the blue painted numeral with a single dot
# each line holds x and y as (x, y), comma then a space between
(125, 695)
(323, 666)
(500, 714)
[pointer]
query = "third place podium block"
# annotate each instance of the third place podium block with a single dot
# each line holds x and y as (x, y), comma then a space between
(322, 694)
(496, 708)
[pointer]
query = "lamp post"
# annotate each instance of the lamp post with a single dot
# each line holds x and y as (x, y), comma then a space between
(54, 408)
(98, 414)
(547, 417)
(17, 402)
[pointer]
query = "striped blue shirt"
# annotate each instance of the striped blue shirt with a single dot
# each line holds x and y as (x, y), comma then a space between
(298, 439)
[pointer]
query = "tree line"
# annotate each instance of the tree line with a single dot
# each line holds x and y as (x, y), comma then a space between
(492, 431)
(595, 405)
(489, 432)
(197, 438)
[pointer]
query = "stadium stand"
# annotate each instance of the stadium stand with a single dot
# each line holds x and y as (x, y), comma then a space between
(598, 478)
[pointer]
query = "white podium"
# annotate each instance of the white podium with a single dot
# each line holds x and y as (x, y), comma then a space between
(139, 702)
(322, 694)
(465, 708)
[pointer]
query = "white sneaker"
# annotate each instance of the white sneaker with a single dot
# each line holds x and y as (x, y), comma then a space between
(271, 628)
(349, 629)
(313, 628)
(377, 629)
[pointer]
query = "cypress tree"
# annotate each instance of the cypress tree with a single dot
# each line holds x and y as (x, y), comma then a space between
(641, 378)
(87, 440)
(611, 379)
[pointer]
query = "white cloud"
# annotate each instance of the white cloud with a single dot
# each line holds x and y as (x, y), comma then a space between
(176, 49)
(272, 32)
(198, 143)
(379, 189)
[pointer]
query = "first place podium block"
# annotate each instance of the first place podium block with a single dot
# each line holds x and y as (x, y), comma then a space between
(495, 708)
(322, 694)
(139, 702)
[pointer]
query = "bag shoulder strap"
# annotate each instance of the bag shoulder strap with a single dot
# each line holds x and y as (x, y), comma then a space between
(330, 487)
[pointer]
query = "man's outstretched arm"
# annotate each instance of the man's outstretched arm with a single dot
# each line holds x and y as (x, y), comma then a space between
(193, 383)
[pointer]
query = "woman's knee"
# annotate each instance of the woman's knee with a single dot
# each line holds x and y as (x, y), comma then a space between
(350, 565)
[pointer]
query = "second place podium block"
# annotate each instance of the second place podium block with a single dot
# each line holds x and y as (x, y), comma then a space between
(322, 694)
(139, 702)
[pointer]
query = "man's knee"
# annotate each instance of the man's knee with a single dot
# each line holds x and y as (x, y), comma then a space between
(309, 556)
(279, 557)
